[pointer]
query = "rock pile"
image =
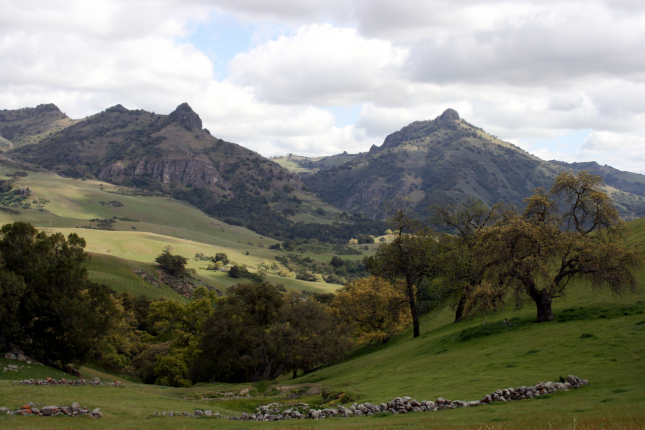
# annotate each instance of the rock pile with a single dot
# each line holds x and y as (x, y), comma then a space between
(74, 383)
(198, 413)
(542, 388)
(53, 411)
(16, 353)
(404, 405)
(12, 368)
(399, 405)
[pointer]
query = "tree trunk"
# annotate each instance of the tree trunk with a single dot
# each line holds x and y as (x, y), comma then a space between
(459, 312)
(295, 373)
(543, 304)
(413, 311)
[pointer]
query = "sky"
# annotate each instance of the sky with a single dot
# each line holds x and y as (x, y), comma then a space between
(562, 79)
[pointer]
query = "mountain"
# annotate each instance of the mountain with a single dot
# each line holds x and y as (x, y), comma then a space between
(448, 159)
(30, 125)
(430, 161)
(174, 155)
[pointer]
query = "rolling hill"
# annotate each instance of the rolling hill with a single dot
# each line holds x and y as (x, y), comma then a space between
(125, 231)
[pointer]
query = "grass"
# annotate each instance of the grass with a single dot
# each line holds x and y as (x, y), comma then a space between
(30, 371)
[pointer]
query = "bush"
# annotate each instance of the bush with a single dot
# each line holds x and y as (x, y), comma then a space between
(221, 256)
(173, 264)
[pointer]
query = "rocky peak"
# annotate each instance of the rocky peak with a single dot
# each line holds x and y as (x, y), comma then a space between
(117, 109)
(186, 116)
(46, 108)
(449, 114)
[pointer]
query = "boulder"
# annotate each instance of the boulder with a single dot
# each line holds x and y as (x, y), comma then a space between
(49, 410)
(10, 356)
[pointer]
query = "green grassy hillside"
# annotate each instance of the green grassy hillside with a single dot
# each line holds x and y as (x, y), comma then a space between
(143, 226)
(595, 335)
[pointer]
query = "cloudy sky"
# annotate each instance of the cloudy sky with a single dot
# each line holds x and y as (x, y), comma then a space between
(562, 79)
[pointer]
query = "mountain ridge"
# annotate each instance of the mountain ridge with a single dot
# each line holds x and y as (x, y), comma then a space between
(448, 159)
(174, 155)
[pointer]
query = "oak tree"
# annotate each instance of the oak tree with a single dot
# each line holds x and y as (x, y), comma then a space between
(569, 232)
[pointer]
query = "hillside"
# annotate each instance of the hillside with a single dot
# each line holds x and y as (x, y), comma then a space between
(173, 155)
(125, 231)
(626, 188)
(448, 158)
(30, 125)
(304, 165)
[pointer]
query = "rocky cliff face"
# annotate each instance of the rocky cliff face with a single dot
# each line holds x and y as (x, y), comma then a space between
(194, 172)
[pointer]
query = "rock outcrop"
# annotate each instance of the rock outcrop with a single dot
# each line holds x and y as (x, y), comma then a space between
(186, 116)
(191, 171)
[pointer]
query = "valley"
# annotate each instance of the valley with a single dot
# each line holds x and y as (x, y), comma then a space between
(133, 183)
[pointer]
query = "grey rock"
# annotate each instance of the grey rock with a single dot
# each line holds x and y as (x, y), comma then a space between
(10, 356)
(49, 410)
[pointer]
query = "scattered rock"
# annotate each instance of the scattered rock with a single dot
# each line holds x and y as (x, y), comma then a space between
(75, 383)
(52, 411)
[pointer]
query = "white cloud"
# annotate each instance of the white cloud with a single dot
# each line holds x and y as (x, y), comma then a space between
(321, 64)
(521, 70)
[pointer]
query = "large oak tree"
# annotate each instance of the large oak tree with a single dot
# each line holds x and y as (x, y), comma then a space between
(569, 232)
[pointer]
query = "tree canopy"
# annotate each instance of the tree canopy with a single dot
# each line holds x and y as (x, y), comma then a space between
(571, 231)
(46, 296)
